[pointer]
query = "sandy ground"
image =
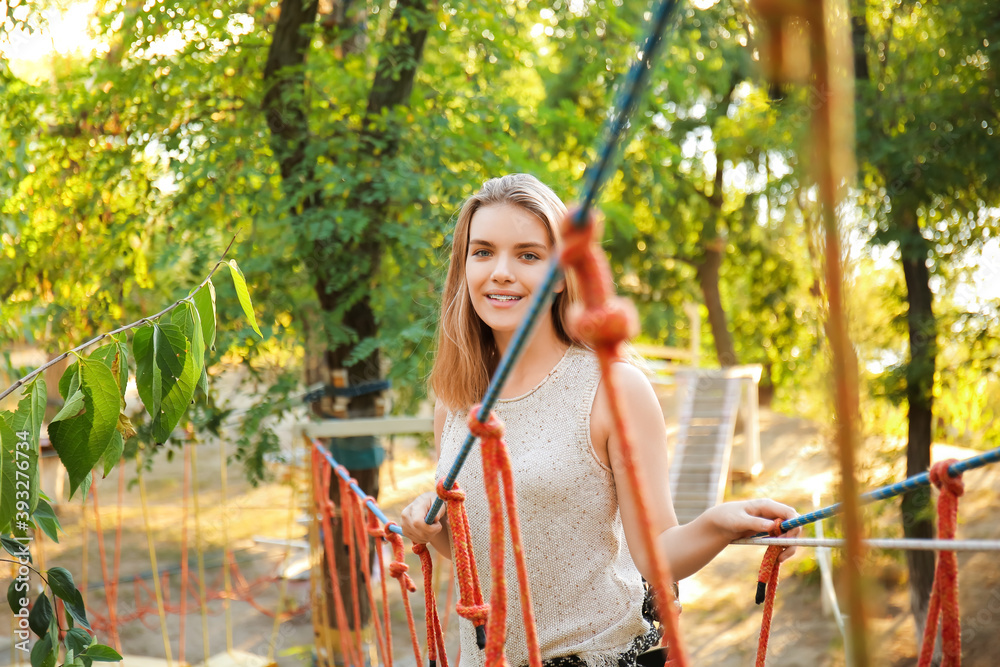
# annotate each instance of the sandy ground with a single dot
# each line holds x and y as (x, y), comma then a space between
(720, 622)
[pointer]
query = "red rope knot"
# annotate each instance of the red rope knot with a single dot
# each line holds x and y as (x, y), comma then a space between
(943, 605)
(491, 429)
(605, 325)
(373, 528)
(453, 495)
(477, 613)
(472, 606)
(943, 481)
(577, 240)
(398, 568)
(767, 586)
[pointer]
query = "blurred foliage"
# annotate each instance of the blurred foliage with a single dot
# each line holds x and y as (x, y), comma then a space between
(128, 170)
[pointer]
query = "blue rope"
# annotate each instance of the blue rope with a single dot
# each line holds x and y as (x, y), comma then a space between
(354, 487)
(909, 484)
(595, 180)
(890, 491)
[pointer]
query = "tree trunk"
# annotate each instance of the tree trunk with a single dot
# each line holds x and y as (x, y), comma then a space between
(708, 280)
(711, 263)
(917, 505)
(343, 273)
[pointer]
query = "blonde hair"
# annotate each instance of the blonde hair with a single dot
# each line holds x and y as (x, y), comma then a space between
(467, 355)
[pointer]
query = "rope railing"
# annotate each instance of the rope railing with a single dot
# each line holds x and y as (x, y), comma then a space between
(891, 490)
(596, 176)
(346, 476)
(884, 544)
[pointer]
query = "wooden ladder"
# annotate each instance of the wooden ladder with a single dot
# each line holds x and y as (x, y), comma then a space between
(700, 467)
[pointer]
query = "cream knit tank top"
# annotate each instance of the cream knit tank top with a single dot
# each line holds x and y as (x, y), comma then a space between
(587, 593)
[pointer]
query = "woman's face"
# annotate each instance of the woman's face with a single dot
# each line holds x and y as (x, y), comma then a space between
(506, 262)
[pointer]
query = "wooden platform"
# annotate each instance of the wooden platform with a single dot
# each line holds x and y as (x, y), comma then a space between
(710, 405)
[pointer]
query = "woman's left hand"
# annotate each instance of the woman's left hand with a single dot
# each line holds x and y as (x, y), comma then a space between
(746, 518)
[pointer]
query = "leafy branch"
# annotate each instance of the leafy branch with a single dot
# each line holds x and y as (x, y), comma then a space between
(89, 431)
(127, 327)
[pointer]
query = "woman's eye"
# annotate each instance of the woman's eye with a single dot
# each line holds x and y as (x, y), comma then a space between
(481, 253)
(530, 256)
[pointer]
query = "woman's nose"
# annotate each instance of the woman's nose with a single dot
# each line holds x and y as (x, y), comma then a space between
(501, 271)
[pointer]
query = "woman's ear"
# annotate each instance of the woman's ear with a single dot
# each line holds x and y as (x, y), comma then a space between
(560, 287)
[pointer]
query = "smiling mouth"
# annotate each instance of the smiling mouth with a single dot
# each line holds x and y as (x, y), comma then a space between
(503, 297)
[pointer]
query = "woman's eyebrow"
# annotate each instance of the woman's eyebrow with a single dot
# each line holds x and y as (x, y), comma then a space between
(525, 245)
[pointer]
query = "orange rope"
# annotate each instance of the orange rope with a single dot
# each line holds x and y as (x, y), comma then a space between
(325, 507)
(108, 589)
(470, 604)
(346, 521)
(361, 542)
(943, 605)
(375, 531)
(435, 637)
(398, 570)
(116, 568)
(605, 322)
(449, 600)
(184, 550)
(496, 463)
(767, 586)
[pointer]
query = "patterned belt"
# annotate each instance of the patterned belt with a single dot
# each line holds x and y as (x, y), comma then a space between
(641, 644)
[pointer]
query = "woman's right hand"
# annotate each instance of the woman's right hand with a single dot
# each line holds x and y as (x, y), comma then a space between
(412, 519)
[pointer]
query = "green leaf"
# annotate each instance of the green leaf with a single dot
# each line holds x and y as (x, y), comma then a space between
(40, 616)
(16, 593)
(204, 300)
(77, 640)
(84, 487)
(73, 406)
(113, 454)
(9, 442)
(81, 439)
(14, 547)
(114, 356)
(243, 294)
(61, 583)
(70, 380)
(147, 372)
(28, 419)
(43, 653)
(45, 510)
(166, 376)
(47, 520)
(102, 653)
(187, 318)
(30, 411)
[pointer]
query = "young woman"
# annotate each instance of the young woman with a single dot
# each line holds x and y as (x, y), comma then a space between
(580, 527)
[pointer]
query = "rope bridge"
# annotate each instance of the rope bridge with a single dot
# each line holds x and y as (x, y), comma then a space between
(604, 323)
(941, 476)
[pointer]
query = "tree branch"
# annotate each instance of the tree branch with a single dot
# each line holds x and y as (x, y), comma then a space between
(133, 325)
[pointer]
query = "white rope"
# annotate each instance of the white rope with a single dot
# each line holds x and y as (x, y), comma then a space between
(889, 544)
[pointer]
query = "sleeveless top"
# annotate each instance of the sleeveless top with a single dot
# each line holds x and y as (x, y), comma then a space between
(586, 591)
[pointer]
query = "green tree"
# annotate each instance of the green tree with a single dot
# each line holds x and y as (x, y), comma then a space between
(927, 115)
